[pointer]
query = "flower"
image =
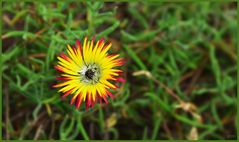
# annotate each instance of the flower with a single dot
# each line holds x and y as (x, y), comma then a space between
(86, 72)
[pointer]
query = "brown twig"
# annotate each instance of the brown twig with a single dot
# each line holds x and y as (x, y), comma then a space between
(33, 123)
(38, 132)
(38, 34)
(37, 55)
(186, 106)
(92, 131)
(196, 75)
(166, 88)
(7, 20)
(186, 76)
(167, 130)
(52, 128)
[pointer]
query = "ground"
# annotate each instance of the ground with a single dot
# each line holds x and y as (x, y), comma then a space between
(180, 70)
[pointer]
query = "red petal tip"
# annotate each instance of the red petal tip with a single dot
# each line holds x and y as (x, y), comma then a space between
(72, 101)
(121, 80)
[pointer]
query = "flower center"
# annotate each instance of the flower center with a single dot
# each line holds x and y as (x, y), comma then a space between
(90, 73)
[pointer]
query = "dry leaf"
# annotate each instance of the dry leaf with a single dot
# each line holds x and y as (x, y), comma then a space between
(111, 121)
(191, 108)
(188, 107)
(193, 134)
(142, 72)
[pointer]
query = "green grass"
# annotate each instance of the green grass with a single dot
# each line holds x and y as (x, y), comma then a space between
(180, 70)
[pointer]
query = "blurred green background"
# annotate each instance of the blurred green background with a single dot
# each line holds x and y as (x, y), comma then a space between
(180, 70)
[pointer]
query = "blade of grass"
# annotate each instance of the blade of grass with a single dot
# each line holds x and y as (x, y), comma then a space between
(137, 60)
(81, 128)
(108, 30)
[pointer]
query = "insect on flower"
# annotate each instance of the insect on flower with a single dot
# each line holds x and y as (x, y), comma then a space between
(87, 72)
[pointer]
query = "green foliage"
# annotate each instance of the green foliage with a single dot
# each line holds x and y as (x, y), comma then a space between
(186, 49)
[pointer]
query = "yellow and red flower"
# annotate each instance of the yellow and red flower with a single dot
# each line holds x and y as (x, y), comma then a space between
(86, 72)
